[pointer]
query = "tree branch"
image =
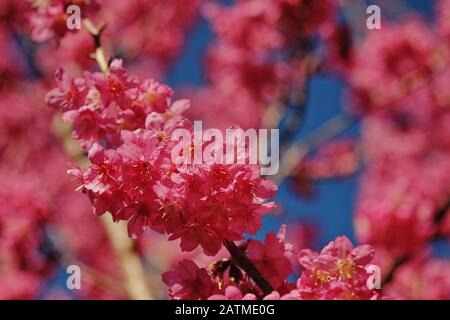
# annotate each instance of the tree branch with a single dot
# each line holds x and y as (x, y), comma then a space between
(245, 264)
(99, 54)
(136, 283)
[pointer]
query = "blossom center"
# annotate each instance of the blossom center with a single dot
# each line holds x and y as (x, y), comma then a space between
(345, 268)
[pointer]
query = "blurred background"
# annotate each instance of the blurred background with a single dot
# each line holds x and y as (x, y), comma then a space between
(364, 117)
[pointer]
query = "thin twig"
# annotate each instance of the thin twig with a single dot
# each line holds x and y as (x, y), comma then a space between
(99, 54)
(245, 264)
(136, 283)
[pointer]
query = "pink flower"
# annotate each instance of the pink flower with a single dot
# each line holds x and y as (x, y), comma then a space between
(89, 126)
(141, 158)
(70, 93)
(421, 278)
(343, 250)
(396, 53)
(232, 293)
(248, 185)
(103, 176)
(156, 95)
(134, 177)
(189, 282)
(271, 259)
(337, 272)
(399, 200)
(48, 21)
(116, 87)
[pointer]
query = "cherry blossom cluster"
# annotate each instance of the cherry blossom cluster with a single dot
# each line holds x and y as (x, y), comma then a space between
(338, 271)
(430, 279)
(398, 79)
(404, 199)
(407, 141)
(165, 22)
(133, 177)
(126, 125)
(258, 65)
(101, 106)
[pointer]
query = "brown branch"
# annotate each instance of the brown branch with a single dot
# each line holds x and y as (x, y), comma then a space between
(129, 262)
(136, 282)
(245, 264)
(440, 215)
(397, 264)
(96, 33)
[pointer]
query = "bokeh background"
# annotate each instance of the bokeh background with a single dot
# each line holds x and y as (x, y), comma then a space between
(316, 210)
(333, 207)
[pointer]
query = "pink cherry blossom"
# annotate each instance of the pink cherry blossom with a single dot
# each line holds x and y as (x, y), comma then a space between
(116, 144)
(337, 272)
(271, 258)
(189, 282)
(232, 293)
